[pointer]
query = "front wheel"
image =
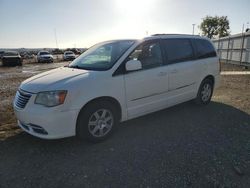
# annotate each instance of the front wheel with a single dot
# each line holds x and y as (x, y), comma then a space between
(96, 121)
(205, 92)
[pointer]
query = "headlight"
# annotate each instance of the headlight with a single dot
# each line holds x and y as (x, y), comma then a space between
(51, 98)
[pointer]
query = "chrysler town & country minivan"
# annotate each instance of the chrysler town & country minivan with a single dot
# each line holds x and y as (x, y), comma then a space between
(115, 81)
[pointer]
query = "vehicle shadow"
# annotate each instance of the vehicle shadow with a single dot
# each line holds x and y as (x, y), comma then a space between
(185, 145)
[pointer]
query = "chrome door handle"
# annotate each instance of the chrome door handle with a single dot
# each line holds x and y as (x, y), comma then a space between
(174, 71)
(162, 74)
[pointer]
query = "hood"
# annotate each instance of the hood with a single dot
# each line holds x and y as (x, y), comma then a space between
(11, 56)
(52, 80)
(47, 55)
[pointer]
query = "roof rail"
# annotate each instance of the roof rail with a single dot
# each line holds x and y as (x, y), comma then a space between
(164, 34)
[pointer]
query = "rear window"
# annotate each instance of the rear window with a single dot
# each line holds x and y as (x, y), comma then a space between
(204, 49)
(178, 50)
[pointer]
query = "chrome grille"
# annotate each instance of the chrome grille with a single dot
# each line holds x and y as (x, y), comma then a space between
(22, 99)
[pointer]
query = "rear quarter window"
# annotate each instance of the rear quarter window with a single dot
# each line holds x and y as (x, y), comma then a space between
(204, 49)
(178, 50)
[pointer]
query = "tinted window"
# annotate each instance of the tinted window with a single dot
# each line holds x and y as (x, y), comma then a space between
(178, 50)
(149, 54)
(204, 48)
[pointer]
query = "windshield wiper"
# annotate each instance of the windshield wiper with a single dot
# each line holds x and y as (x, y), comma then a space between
(75, 67)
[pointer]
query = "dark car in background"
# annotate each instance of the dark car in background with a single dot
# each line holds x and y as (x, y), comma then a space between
(11, 58)
(1, 54)
(44, 56)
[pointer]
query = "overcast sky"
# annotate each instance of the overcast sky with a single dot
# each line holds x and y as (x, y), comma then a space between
(82, 23)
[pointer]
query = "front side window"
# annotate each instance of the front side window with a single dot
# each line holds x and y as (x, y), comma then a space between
(148, 54)
(102, 56)
(204, 49)
(178, 50)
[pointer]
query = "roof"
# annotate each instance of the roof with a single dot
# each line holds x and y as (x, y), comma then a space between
(156, 36)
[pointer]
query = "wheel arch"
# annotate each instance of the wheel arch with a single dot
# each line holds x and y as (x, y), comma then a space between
(112, 100)
(210, 77)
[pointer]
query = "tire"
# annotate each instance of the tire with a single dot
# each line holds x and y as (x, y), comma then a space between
(96, 121)
(205, 92)
(20, 63)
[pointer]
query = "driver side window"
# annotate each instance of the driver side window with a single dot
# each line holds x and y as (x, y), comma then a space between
(148, 54)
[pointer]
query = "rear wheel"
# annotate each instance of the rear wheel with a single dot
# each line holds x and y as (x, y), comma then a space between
(205, 92)
(96, 121)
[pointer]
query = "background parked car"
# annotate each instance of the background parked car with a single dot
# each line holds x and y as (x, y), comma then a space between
(69, 55)
(1, 54)
(11, 58)
(44, 56)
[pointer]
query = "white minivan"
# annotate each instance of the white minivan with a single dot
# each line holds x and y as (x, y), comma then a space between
(115, 81)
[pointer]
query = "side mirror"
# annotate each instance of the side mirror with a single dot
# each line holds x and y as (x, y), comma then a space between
(133, 65)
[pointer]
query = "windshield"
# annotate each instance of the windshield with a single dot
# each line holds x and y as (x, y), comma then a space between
(69, 53)
(102, 56)
(44, 53)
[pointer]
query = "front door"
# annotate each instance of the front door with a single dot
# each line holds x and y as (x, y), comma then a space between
(145, 87)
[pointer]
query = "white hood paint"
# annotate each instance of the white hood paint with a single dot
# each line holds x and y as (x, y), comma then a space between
(43, 81)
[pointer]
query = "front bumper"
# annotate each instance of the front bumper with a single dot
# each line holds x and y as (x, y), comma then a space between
(46, 60)
(69, 58)
(45, 122)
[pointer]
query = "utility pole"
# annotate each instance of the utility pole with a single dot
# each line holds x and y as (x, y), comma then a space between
(56, 38)
(193, 29)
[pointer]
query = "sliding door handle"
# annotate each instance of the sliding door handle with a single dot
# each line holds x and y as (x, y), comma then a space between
(174, 71)
(162, 73)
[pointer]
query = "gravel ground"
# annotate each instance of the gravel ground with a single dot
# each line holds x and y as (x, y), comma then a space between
(183, 146)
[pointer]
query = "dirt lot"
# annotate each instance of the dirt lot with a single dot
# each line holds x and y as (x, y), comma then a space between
(183, 146)
(10, 79)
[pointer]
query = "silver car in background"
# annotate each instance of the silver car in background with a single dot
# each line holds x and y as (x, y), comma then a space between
(69, 55)
(44, 56)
